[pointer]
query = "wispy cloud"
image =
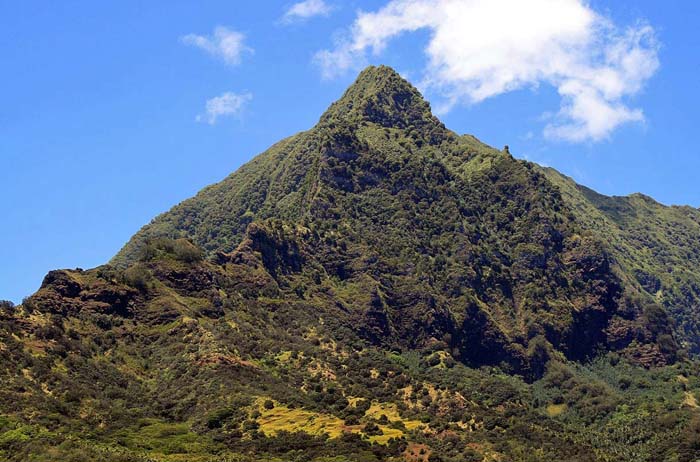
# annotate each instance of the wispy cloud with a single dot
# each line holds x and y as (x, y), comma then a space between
(227, 104)
(305, 10)
(225, 44)
(482, 48)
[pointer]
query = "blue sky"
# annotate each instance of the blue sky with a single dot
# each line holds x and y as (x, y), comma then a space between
(104, 120)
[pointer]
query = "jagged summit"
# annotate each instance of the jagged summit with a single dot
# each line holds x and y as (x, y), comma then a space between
(380, 95)
(280, 181)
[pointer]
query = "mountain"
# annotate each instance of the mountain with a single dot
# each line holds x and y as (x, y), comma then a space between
(375, 288)
(655, 247)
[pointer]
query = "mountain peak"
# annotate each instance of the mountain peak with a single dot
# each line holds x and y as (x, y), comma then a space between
(380, 95)
(381, 79)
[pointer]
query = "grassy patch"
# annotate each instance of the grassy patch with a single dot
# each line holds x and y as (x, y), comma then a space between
(390, 410)
(554, 410)
(282, 418)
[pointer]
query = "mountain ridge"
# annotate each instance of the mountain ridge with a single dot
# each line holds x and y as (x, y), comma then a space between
(375, 288)
(379, 98)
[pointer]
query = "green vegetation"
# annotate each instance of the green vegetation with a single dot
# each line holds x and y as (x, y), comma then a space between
(377, 288)
(656, 248)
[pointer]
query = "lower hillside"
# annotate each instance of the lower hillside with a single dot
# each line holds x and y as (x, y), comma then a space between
(257, 355)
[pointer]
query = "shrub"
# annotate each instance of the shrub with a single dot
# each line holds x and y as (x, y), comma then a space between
(7, 306)
(217, 419)
(179, 249)
(362, 405)
(249, 425)
(138, 277)
(372, 429)
(187, 252)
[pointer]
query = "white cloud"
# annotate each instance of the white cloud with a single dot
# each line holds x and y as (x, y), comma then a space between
(306, 9)
(226, 104)
(225, 44)
(482, 48)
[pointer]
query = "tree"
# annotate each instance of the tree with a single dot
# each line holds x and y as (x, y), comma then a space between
(7, 306)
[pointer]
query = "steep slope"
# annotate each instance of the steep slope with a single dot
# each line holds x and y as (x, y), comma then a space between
(656, 247)
(375, 288)
(455, 240)
(278, 182)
